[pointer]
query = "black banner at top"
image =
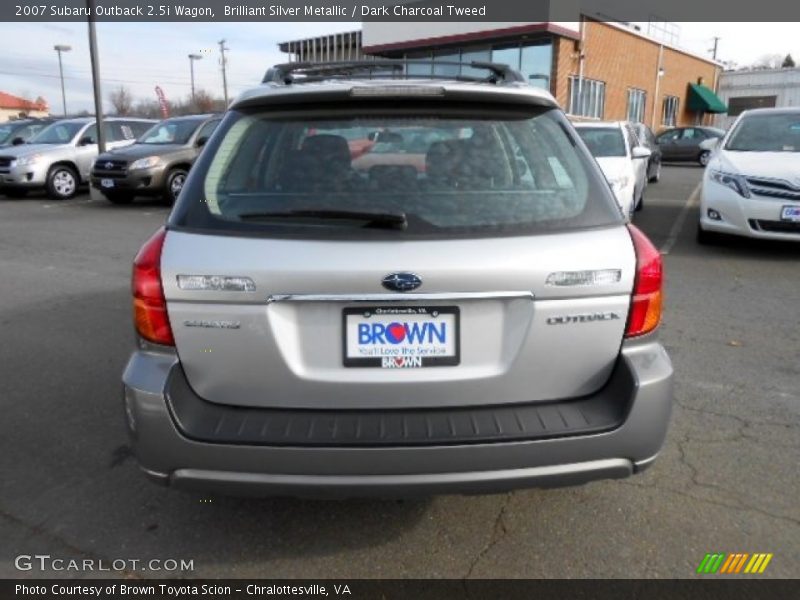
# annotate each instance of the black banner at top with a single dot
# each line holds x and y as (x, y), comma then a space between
(397, 10)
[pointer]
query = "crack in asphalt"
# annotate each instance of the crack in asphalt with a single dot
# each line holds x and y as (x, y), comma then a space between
(740, 434)
(39, 530)
(499, 530)
(694, 475)
(743, 420)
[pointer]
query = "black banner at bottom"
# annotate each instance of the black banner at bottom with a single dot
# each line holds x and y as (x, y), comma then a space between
(421, 589)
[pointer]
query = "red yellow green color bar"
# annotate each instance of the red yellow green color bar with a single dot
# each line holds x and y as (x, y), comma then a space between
(737, 562)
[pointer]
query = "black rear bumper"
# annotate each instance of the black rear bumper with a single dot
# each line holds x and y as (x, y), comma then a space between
(204, 421)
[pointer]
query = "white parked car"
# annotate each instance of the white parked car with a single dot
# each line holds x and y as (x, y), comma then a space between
(751, 186)
(622, 159)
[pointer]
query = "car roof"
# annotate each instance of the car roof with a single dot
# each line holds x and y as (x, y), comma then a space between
(30, 120)
(387, 88)
(788, 110)
(192, 117)
(598, 124)
(84, 120)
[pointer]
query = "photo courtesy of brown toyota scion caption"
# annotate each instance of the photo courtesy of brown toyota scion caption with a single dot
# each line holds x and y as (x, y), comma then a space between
(480, 318)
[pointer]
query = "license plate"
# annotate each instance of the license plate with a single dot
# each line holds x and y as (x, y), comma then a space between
(401, 337)
(790, 213)
(107, 183)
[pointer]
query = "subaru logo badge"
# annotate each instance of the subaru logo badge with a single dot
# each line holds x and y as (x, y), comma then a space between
(401, 282)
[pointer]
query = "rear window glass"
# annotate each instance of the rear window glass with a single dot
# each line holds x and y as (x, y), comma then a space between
(446, 175)
(603, 141)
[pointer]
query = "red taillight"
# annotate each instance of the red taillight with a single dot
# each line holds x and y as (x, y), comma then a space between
(149, 306)
(645, 313)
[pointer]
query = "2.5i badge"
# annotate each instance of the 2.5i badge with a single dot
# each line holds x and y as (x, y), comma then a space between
(401, 337)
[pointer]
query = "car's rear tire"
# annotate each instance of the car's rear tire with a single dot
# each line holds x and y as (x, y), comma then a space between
(119, 197)
(704, 157)
(174, 184)
(656, 177)
(12, 193)
(640, 204)
(707, 238)
(62, 182)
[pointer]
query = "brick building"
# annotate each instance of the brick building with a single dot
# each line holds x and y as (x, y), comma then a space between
(595, 69)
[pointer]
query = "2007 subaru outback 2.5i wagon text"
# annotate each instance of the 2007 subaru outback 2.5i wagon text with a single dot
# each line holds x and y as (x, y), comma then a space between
(485, 323)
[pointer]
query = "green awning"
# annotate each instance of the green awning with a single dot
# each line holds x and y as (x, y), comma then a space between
(703, 99)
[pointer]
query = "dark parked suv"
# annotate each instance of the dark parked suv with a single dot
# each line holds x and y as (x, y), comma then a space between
(157, 164)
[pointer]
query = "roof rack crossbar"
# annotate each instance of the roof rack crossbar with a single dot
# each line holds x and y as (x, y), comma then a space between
(299, 72)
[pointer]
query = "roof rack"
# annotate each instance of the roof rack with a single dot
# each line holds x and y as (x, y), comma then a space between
(306, 72)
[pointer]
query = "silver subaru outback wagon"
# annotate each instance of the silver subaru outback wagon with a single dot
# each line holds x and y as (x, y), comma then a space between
(377, 285)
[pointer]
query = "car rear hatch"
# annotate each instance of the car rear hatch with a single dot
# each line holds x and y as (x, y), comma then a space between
(481, 280)
(519, 339)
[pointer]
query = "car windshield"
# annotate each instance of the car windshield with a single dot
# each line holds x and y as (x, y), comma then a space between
(171, 131)
(603, 141)
(57, 133)
(766, 133)
(430, 174)
(6, 131)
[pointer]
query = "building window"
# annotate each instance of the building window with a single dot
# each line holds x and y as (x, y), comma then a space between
(636, 101)
(669, 112)
(587, 98)
(534, 61)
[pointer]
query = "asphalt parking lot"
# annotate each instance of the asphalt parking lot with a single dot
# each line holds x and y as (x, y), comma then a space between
(725, 482)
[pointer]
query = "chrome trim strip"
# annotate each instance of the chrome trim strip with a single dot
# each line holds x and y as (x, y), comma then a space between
(399, 297)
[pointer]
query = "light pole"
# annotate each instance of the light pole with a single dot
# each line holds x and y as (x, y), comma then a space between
(62, 48)
(192, 58)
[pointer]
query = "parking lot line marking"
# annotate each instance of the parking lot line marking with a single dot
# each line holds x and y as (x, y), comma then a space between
(677, 226)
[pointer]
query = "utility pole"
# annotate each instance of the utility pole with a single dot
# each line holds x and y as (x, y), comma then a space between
(714, 49)
(98, 96)
(192, 58)
(223, 61)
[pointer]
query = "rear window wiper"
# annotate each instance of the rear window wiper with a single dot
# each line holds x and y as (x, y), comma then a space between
(374, 220)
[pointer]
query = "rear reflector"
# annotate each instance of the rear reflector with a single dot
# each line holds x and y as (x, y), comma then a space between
(645, 313)
(149, 305)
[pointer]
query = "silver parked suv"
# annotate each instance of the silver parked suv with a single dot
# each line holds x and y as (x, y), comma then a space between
(60, 157)
(470, 313)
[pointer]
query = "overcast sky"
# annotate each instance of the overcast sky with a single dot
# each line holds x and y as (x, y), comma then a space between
(142, 55)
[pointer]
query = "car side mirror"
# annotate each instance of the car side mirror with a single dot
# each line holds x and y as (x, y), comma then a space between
(86, 141)
(17, 141)
(201, 141)
(640, 152)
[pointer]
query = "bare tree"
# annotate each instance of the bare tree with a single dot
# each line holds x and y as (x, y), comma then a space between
(122, 100)
(768, 61)
(203, 101)
(788, 62)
